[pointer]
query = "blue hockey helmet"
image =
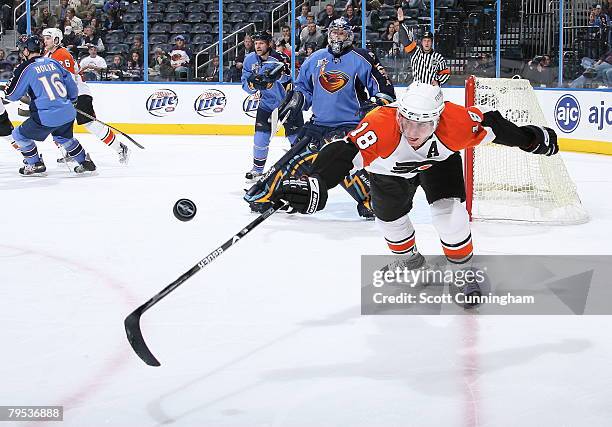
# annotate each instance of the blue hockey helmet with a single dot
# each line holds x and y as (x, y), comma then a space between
(339, 36)
(33, 43)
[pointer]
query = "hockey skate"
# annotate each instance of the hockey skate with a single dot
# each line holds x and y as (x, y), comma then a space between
(365, 212)
(253, 176)
(124, 154)
(65, 159)
(37, 169)
(87, 166)
(414, 261)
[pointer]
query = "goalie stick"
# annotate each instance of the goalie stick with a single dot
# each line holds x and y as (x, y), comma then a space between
(132, 321)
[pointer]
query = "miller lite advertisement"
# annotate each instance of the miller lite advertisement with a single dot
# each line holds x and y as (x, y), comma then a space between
(162, 102)
(210, 103)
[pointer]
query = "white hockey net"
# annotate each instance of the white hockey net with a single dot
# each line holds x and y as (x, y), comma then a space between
(509, 184)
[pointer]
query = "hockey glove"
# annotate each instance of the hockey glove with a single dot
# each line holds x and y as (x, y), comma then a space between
(259, 82)
(292, 105)
(378, 100)
(544, 140)
(305, 195)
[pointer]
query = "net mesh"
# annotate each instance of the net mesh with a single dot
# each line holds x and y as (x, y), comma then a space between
(510, 184)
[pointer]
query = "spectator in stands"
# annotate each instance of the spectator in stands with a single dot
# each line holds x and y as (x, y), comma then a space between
(71, 41)
(309, 48)
(354, 21)
(92, 65)
(6, 13)
(113, 21)
(598, 31)
(89, 38)
(115, 69)
(328, 17)
(86, 20)
(4, 64)
(539, 72)
(134, 66)
(212, 70)
(373, 21)
(310, 18)
(602, 69)
(285, 35)
(111, 6)
(303, 18)
(180, 58)
(75, 21)
(387, 36)
(161, 64)
(45, 19)
(61, 10)
(248, 47)
(311, 34)
(284, 48)
(137, 46)
(95, 24)
(84, 7)
(482, 65)
(22, 23)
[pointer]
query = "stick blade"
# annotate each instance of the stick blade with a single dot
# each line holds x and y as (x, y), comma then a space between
(134, 336)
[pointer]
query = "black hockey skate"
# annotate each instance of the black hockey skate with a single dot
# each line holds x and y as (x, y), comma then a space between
(124, 154)
(86, 166)
(365, 212)
(37, 169)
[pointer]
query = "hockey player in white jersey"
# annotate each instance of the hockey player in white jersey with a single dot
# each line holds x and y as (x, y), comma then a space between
(54, 49)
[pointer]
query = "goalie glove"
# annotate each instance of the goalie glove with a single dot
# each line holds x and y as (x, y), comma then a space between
(544, 140)
(378, 100)
(291, 106)
(305, 195)
(259, 82)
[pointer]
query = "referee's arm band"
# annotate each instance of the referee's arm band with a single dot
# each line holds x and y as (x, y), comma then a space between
(444, 71)
(410, 47)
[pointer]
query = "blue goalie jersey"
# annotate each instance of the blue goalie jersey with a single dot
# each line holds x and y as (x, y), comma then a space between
(336, 87)
(50, 87)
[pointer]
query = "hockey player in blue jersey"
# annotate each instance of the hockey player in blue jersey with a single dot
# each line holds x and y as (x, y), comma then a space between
(265, 70)
(52, 91)
(340, 83)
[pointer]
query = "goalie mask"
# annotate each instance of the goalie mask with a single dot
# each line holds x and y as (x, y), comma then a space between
(54, 35)
(419, 111)
(339, 36)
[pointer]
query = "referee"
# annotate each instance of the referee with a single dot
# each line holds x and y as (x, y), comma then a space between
(428, 66)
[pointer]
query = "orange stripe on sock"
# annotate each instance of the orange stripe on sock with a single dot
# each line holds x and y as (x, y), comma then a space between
(402, 247)
(108, 139)
(458, 253)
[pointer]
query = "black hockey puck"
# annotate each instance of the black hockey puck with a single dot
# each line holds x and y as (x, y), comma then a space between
(184, 210)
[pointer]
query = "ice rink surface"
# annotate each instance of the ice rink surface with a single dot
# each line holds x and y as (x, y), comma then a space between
(271, 333)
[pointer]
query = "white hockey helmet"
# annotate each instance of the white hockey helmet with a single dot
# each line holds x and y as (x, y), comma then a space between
(419, 111)
(55, 34)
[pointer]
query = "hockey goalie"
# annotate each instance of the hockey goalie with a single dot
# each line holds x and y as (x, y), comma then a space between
(410, 143)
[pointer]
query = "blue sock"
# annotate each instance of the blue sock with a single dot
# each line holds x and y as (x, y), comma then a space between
(73, 148)
(27, 147)
(260, 150)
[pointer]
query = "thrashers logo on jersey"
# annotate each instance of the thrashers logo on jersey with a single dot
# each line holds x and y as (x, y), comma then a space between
(333, 81)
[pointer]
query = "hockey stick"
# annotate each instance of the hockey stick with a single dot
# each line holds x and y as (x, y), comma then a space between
(132, 322)
(113, 128)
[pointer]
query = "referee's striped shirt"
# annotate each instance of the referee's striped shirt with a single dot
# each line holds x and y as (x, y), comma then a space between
(426, 67)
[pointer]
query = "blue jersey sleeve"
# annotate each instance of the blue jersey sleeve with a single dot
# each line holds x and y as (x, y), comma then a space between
(303, 83)
(19, 84)
(373, 75)
(246, 73)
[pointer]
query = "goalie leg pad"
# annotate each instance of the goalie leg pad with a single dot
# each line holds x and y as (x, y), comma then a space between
(451, 220)
(399, 234)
